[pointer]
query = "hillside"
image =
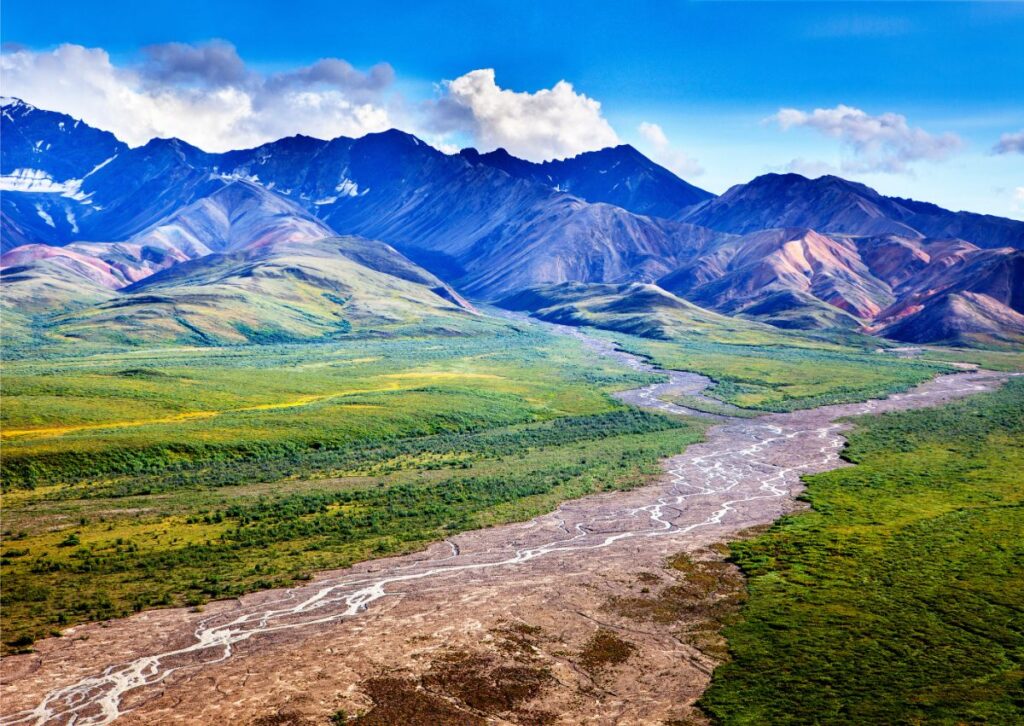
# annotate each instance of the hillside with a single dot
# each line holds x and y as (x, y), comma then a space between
(276, 292)
(638, 309)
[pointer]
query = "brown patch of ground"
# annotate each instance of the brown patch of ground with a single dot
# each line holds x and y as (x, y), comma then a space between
(403, 701)
(485, 683)
(605, 649)
(461, 687)
(706, 596)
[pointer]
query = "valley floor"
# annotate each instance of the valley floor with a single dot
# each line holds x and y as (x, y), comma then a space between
(608, 608)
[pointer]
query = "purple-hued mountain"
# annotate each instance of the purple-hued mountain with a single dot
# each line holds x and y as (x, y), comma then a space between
(833, 205)
(619, 175)
(81, 208)
(55, 144)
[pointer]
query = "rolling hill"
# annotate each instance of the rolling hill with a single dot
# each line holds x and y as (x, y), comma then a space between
(276, 292)
(638, 309)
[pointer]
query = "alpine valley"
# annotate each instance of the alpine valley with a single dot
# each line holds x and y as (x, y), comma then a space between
(355, 431)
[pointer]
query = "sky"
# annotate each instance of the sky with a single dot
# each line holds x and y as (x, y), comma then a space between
(919, 99)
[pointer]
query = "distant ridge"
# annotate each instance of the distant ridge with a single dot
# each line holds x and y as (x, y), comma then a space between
(84, 217)
(620, 175)
(830, 204)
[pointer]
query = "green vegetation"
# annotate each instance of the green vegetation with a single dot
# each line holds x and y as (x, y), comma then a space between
(177, 414)
(141, 477)
(277, 292)
(993, 360)
(899, 598)
(769, 376)
(754, 365)
(170, 476)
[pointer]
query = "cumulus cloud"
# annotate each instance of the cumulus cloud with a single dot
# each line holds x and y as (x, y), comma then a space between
(204, 94)
(809, 168)
(339, 75)
(1010, 144)
(216, 63)
(547, 124)
(883, 143)
(662, 151)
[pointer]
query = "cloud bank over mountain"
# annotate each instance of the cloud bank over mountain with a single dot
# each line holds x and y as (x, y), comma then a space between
(204, 94)
(207, 95)
(1010, 143)
(547, 124)
(876, 143)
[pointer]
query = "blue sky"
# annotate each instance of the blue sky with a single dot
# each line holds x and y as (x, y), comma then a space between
(708, 74)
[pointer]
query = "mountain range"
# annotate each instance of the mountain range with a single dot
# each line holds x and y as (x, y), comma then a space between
(166, 242)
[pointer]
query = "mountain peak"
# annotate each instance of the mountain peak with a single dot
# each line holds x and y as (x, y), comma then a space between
(171, 142)
(396, 136)
(788, 180)
(14, 102)
(622, 150)
(618, 175)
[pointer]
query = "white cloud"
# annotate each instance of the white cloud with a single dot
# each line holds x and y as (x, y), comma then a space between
(204, 94)
(550, 123)
(1010, 144)
(208, 96)
(663, 152)
(810, 168)
(1018, 199)
(883, 143)
(654, 134)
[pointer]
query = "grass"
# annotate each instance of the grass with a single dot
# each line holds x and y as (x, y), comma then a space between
(169, 477)
(898, 597)
(773, 377)
(993, 360)
(124, 416)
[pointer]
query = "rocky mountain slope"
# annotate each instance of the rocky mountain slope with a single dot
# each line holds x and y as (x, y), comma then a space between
(619, 175)
(84, 219)
(833, 205)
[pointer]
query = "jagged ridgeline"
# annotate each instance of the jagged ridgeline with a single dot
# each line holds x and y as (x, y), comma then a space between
(92, 229)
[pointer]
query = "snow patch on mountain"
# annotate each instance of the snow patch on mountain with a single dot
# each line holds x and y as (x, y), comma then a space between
(349, 188)
(36, 181)
(236, 176)
(46, 217)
